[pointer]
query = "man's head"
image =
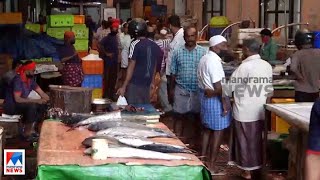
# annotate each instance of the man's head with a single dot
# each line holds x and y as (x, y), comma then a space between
(125, 28)
(151, 32)
(250, 47)
(28, 68)
(190, 36)
(110, 19)
(69, 37)
(174, 23)
(115, 27)
(129, 19)
(218, 44)
(163, 33)
(137, 28)
(266, 35)
(303, 40)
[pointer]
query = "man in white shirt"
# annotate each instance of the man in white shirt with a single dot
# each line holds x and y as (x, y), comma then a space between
(251, 84)
(215, 109)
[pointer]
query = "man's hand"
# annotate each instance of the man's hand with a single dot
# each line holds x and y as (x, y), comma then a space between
(225, 107)
(209, 93)
(41, 101)
(121, 91)
(110, 55)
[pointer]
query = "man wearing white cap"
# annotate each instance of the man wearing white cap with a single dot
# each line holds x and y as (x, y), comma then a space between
(215, 109)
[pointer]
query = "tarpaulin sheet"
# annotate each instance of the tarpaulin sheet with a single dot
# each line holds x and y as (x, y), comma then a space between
(121, 172)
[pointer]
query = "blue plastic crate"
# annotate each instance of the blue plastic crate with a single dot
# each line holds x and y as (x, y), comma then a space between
(92, 81)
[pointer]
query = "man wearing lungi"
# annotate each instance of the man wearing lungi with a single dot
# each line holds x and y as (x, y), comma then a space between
(184, 85)
(313, 152)
(215, 109)
(251, 84)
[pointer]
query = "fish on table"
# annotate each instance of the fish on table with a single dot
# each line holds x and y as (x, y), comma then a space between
(127, 131)
(140, 143)
(128, 152)
(110, 124)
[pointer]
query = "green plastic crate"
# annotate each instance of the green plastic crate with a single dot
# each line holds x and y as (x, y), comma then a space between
(81, 32)
(79, 26)
(45, 28)
(33, 27)
(57, 33)
(40, 60)
(81, 45)
(61, 20)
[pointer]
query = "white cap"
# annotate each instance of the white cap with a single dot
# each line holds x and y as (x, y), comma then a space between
(215, 40)
(163, 32)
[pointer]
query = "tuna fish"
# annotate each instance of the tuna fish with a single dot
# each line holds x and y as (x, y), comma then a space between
(127, 152)
(112, 116)
(126, 131)
(110, 124)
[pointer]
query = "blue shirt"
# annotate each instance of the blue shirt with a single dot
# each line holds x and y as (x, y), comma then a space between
(110, 44)
(17, 86)
(314, 128)
(146, 54)
(184, 66)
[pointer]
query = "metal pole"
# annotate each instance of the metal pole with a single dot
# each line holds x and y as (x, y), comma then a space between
(286, 26)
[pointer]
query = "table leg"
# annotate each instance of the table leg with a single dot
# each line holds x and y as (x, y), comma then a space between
(265, 143)
(296, 143)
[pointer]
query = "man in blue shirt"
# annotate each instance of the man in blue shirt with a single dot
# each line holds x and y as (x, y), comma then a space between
(143, 57)
(313, 152)
(17, 101)
(184, 84)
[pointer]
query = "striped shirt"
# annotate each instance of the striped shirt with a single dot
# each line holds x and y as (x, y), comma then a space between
(184, 66)
(164, 44)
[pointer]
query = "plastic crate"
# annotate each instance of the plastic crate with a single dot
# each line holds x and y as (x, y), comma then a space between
(61, 21)
(43, 28)
(97, 93)
(81, 32)
(79, 19)
(57, 32)
(81, 45)
(40, 60)
(10, 18)
(79, 26)
(92, 81)
(278, 124)
(92, 67)
(33, 27)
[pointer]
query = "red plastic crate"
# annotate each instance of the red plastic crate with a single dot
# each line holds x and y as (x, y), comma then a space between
(92, 67)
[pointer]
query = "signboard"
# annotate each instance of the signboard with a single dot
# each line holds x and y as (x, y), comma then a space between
(109, 12)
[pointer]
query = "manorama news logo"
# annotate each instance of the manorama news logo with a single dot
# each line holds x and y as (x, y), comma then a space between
(14, 162)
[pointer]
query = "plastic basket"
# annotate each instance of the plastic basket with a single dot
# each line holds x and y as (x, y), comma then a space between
(92, 81)
(33, 27)
(10, 18)
(97, 93)
(79, 19)
(81, 32)
(219, 21)
(57, 32)
(61, 20)
(82, 45)
(92, 67)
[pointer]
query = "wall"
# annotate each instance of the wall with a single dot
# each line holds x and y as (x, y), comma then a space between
(137, 8)
(237, 10)
(310, 13)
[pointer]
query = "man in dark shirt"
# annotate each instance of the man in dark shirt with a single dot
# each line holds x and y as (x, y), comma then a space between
(313, 152)
(143, 57)
(17, 101)
(109, 52)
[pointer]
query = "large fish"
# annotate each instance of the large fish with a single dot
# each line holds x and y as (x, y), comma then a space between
(128, 152)
(126, 131)
(145, 144)
(110, 124)
(112, 116)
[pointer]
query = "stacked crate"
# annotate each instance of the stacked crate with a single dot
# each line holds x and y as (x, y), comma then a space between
(10, 18)
(57, 25)
(82, 35)
(92, 67)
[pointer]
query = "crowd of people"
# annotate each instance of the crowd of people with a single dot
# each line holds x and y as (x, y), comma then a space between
(193, 84)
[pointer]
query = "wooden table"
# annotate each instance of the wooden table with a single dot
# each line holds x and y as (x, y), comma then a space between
(60, 156)
(298, 116)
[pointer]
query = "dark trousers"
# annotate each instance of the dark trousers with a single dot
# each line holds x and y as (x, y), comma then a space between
(110, 74)
(306, 97)
(31, 112)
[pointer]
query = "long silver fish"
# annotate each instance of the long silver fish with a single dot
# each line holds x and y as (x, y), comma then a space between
(139, 143)
(112, 116)
(126, 131)
(127, 152)
(110, 124)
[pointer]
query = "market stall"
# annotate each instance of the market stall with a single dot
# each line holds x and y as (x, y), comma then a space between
(298, 116)
(60, 158)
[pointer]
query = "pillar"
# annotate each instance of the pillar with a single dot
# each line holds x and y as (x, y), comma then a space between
(137, 8)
